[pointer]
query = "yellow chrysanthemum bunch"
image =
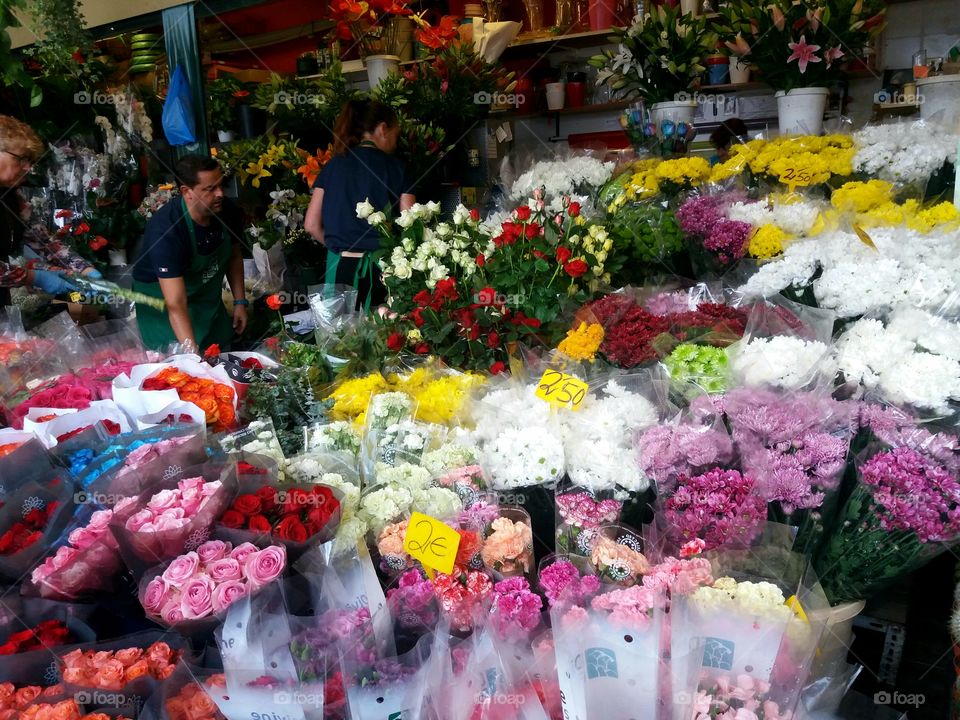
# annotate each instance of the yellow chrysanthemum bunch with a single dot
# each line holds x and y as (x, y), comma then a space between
(861, 197)
(582, 342)
(438, 397)
(873, 205)
(767, 242)
(936, 216)
(812, 159)
(685, 171)
(351, 397)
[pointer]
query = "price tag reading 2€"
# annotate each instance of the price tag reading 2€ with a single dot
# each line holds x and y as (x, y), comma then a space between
(431, 542)
(562, 390)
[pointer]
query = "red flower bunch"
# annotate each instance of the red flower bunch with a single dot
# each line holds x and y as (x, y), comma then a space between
(9, 448)
(110, 426)
(215, 399)
(26, 532)
(293, 515)
(49, 633)
(439, 36)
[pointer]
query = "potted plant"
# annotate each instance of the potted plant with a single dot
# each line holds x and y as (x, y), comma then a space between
(372, 26)
(659, 58)
(223, 96)
(800, 49)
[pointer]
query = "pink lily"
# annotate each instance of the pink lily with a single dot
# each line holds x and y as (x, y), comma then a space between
(834, 53)
(803, 53)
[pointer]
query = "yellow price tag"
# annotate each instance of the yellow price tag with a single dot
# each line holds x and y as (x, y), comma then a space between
(794, 604)
(75, 297)
(562, 390)
(431, 542)
(794, 177)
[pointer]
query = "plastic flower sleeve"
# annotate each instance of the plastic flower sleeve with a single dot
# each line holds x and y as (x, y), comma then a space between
(33, 516)
(176, 412)
(161, 455)
(258, 437)
(26, 459)
(186, 693)
(389, 687)
(174, 516)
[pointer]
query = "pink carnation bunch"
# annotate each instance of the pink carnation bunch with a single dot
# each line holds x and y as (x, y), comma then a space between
(679, 577)
(630, 607)
(207, 581)
(516, 609)
(737, 698)
(172, 509)
(561, 582)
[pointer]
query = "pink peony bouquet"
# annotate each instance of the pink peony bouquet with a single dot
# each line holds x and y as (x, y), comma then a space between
(86, 564)
(209, 580)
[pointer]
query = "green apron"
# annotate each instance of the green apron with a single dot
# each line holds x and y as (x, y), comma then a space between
(204, 281)
(365, 268)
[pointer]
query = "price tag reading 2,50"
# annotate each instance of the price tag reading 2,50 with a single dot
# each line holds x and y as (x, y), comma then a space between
(431, 542)
(562, 390)
(793, 177)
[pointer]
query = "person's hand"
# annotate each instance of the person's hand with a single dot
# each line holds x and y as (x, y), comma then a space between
(52, 283)
(239, 319)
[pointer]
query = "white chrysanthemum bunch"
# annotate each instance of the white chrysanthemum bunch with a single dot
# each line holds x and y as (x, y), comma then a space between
(449, 456)
(578, 175)
(759, 599)
(781, 361)
(598, 439)
(898, 361)
(794, 218)
(903, 152)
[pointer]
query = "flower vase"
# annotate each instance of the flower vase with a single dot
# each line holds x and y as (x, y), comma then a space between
(226, 136)
(800, 111)
(689, 7)
(739, 71)
(675, 110)
(379, 67)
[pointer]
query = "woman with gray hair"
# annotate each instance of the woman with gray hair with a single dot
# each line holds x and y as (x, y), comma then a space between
(20, 147)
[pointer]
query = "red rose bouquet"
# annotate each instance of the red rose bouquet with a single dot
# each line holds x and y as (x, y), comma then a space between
(289, 515)
(49, 633)
(33, 515)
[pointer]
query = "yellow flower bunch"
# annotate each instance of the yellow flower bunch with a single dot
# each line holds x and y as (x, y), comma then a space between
(685, 171)
(583, 342)
(813, 159)
(942, 214)
(351, 397)
(768, 241)
(862, 197)
(438, 397)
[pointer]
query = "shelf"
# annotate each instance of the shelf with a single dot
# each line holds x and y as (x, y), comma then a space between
(733, 87)
(355, 67)
(584, 110)
(570, 40)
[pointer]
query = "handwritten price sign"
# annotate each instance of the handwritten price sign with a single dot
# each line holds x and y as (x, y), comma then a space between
(562, 390)
(794, 177)
(431, 542)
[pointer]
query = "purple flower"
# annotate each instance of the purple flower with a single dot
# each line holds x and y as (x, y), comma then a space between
(915, 494)
(580, 509)
(897, 428)
(412, 602)
(561, 581)
(703, 219)
(720, 507)
(728, 240)
(479, 516)
(516, 609)
(666, 451)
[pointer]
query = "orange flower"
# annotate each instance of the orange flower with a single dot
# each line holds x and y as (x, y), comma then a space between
(274, 302)
(241, 93)
(313, 164)
(212, 351)
(440, 36)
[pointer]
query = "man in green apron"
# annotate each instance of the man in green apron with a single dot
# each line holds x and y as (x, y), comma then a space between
(188, 247)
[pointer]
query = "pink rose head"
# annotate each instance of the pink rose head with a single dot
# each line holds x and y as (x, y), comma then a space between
(213, 550)
(168, 521)
(155, 596)
(264, 566)
(211, 488)
(182, 569)
(101, 518)
(82, 538)
(196, 597)
(136, 521)
(164, 500)
(194, 483)
(190, 500)
(122, 505)
(225, 569)
(227, 593)
(172, 612)
(243, 550)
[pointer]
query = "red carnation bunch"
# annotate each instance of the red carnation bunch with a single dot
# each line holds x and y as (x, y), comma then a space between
(26, 532)
(294, 515)
(49, 633)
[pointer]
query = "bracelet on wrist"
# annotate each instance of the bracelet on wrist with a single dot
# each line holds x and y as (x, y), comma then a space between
(242, 302)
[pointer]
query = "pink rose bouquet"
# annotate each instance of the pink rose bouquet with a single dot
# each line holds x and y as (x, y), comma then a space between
(200, 583)
(67, 391)
(87, 563)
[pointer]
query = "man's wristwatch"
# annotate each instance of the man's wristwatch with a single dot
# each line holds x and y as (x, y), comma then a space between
(243, 302)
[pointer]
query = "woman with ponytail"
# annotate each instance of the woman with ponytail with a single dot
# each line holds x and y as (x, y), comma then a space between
(363, 168)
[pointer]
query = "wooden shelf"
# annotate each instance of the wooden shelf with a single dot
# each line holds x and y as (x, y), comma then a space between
(734, 87)
(584, 110)
(349, 68)
(570, 40)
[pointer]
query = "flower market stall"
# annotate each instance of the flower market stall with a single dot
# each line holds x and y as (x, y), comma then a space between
(637, 434)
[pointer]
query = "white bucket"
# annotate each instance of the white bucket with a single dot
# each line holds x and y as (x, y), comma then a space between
(690, 7)
(940, 94)
(838, 631)
(379, 66)
(801, 110)
(739, 71)
(673, 110)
